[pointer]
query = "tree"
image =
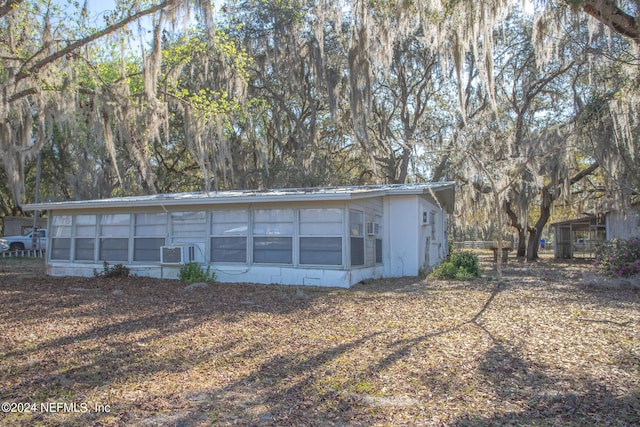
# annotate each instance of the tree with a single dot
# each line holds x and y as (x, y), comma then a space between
(310, 107)
(405, 108)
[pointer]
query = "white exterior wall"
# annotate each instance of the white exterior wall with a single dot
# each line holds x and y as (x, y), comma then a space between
(412, 248)
(433, 235)
(401, 236)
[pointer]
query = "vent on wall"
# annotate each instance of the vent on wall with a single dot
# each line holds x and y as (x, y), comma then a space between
(177, 254)
(428, 218)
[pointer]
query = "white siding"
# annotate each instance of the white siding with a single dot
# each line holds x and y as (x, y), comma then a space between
(402, 231)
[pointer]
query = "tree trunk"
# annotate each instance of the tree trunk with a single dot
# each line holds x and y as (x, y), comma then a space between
(535, 232)
(522, 236)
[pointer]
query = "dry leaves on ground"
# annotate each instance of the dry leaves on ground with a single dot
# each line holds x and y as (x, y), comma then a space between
(539, 349)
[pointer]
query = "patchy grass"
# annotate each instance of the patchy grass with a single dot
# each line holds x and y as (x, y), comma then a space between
(539, 349)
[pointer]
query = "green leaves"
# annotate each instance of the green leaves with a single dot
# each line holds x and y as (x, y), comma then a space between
(461, 265)
(619, 257)
(192, 272)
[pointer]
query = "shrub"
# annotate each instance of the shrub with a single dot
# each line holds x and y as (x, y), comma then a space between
(446, 270)
(463, 275)
(118, 270)
(467, 260)
(462, 265)
(192, 272)
(619, 257)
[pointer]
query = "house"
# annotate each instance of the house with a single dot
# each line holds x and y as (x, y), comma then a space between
(335, 236)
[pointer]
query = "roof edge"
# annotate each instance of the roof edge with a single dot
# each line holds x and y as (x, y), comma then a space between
(248, 196)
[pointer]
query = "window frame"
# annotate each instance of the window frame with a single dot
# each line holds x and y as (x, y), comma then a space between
(378, 243)
(141, 233)
(217, 234)
(65, 231)
(79, 236)
(271, 231)
(356, 235)
(108, 239)
(308, 232)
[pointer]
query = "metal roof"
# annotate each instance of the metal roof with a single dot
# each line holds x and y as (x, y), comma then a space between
(443, 192)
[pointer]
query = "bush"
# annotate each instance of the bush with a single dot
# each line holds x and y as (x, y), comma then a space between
(619, 257)
(462, 265)
(467, 260)
(192, 272)
(463, 275)
(446, 270)
(118, 270)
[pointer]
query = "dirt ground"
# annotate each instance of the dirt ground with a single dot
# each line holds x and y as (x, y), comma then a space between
(547, 347)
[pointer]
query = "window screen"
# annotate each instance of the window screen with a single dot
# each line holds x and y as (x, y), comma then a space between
(356, 228)
(189, 225)
(321, 250)
(85, 239)
(149, 237)
(379, 240)
(321, 236)
(229, 236)
(273, 241)
(61, 237)
(114, 240)
(272, 250)
(432, 222)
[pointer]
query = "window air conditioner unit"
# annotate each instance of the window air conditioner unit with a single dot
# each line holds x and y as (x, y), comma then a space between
(177, 254)
(373, 228)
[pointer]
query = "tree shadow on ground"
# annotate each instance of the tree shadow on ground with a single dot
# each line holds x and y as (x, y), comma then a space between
(302, 386)
(550, 399)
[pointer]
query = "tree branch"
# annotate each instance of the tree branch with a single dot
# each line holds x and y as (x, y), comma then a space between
(8, 6)
(82, 42)
(608, 12)
(585, 172)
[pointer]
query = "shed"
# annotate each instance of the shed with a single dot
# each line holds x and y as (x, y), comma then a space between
(330, 236)
(578, 237)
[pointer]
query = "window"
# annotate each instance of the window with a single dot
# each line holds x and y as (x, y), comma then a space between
(273, 236)
(379, 240)
(229, 236)
(149, 235)
(432, 223)
(190, 228)
(321, 236)
(61, 237)
(356, 231)
(114, 237)
(189, 225)
(85, 238)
